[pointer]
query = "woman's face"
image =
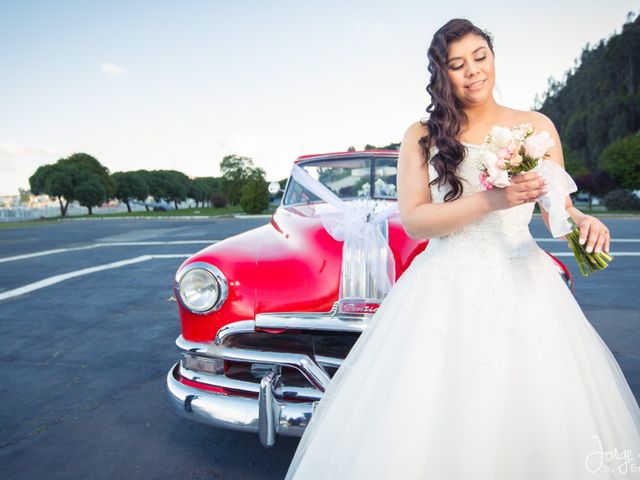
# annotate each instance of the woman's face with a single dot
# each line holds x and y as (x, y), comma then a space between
(470, 61)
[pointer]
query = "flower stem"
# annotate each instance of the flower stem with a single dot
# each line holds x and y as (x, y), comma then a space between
(587, 261)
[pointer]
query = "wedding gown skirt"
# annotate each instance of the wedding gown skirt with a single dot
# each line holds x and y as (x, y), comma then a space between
(479, 364)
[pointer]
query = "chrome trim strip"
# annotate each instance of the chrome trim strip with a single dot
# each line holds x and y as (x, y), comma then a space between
(310, 369)
(313, 321)
(241, 326)
(284, 391)
(329, 361)
(195, 348)
(217, 380)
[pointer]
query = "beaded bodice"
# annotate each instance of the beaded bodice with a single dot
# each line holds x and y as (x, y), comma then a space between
(499, 234)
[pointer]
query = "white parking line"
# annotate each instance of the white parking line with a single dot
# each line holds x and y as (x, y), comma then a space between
(84, 271)
(97, 245)
(208, 242)
(143, 258)
(613, 240)
(613, 254)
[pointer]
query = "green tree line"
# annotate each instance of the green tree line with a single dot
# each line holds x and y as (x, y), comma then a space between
(82, 178)
(596, 110)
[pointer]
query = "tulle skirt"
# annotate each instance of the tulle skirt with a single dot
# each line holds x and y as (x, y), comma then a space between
(475, 369)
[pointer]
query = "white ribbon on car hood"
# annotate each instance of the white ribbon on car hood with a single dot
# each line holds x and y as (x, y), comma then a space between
(358, 226)
(560, 185)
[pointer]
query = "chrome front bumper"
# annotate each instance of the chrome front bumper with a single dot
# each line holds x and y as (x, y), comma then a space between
(265, 415)
(265, 406)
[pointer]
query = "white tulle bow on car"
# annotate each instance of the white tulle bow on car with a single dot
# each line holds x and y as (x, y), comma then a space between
(369, 273)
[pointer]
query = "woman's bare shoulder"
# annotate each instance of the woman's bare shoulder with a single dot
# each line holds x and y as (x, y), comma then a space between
(417, 130)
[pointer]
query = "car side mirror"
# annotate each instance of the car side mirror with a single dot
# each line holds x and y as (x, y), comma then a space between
(274, 187)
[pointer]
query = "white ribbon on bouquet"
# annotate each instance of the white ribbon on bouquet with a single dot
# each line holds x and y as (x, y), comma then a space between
(560, 185)
(358, 226)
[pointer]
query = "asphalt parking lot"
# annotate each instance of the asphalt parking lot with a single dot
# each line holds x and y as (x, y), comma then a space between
(87, 336)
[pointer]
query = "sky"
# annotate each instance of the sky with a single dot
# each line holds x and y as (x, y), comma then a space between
(180, 85)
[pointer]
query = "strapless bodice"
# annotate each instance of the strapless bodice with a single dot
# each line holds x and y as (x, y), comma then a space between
(501, 233)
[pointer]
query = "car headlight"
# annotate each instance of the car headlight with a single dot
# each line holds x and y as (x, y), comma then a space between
(201, 288)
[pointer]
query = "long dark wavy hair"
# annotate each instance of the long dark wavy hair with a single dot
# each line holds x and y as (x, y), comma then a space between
(446, 113)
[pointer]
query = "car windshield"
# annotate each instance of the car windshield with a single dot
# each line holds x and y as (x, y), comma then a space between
(364, 177)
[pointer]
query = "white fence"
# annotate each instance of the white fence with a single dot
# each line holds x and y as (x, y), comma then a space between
(22, 213)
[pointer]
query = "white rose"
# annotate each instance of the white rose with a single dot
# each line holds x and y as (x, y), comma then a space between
(536, 145)
(518, 135)
(501, 136)
(527, 127)
(488, 159)
(496, 175)
(493, 148)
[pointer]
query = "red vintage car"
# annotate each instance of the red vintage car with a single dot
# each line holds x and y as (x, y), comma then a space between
(267, 316)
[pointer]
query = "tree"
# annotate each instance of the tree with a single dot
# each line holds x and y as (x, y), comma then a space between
(621, 159)
(235, 170)
(177, 184)
(25, 196)
(38, 179)
(169, 185)
(390, 146)
(148, 178)
(200, 190)
(60, 180)
(89, 164)
(255, 192)
(90, 192)
(597, 182)
(598, 100)
(574, 164)
(60, 183)
(130, 185)
(38, 184)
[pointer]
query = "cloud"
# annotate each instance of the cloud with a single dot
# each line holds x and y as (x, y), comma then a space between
(12, 150)
(16, 160)
(112, 70)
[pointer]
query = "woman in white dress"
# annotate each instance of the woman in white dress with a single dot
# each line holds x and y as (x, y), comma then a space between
(479, 363)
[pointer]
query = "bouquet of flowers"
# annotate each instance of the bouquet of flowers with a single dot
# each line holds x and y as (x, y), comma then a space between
(506, 152)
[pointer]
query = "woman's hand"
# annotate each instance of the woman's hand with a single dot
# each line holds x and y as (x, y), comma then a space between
(595, 233)
(525, 187)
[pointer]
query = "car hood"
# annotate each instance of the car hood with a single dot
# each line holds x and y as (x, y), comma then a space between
(298, 263)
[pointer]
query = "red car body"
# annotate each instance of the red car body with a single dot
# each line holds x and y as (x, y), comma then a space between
(261, 359)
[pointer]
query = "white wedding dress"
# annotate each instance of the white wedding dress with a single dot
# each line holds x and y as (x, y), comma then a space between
(479, 364)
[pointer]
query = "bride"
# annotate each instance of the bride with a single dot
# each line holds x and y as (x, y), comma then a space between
(479, 363)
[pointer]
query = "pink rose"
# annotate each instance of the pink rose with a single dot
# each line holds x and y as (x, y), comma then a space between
(504, 153)
(536, 145)
(499, 178)
(483, 180)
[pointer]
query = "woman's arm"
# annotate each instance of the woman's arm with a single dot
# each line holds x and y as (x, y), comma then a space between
(423, 219)
(592, 230)
(419, 216)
